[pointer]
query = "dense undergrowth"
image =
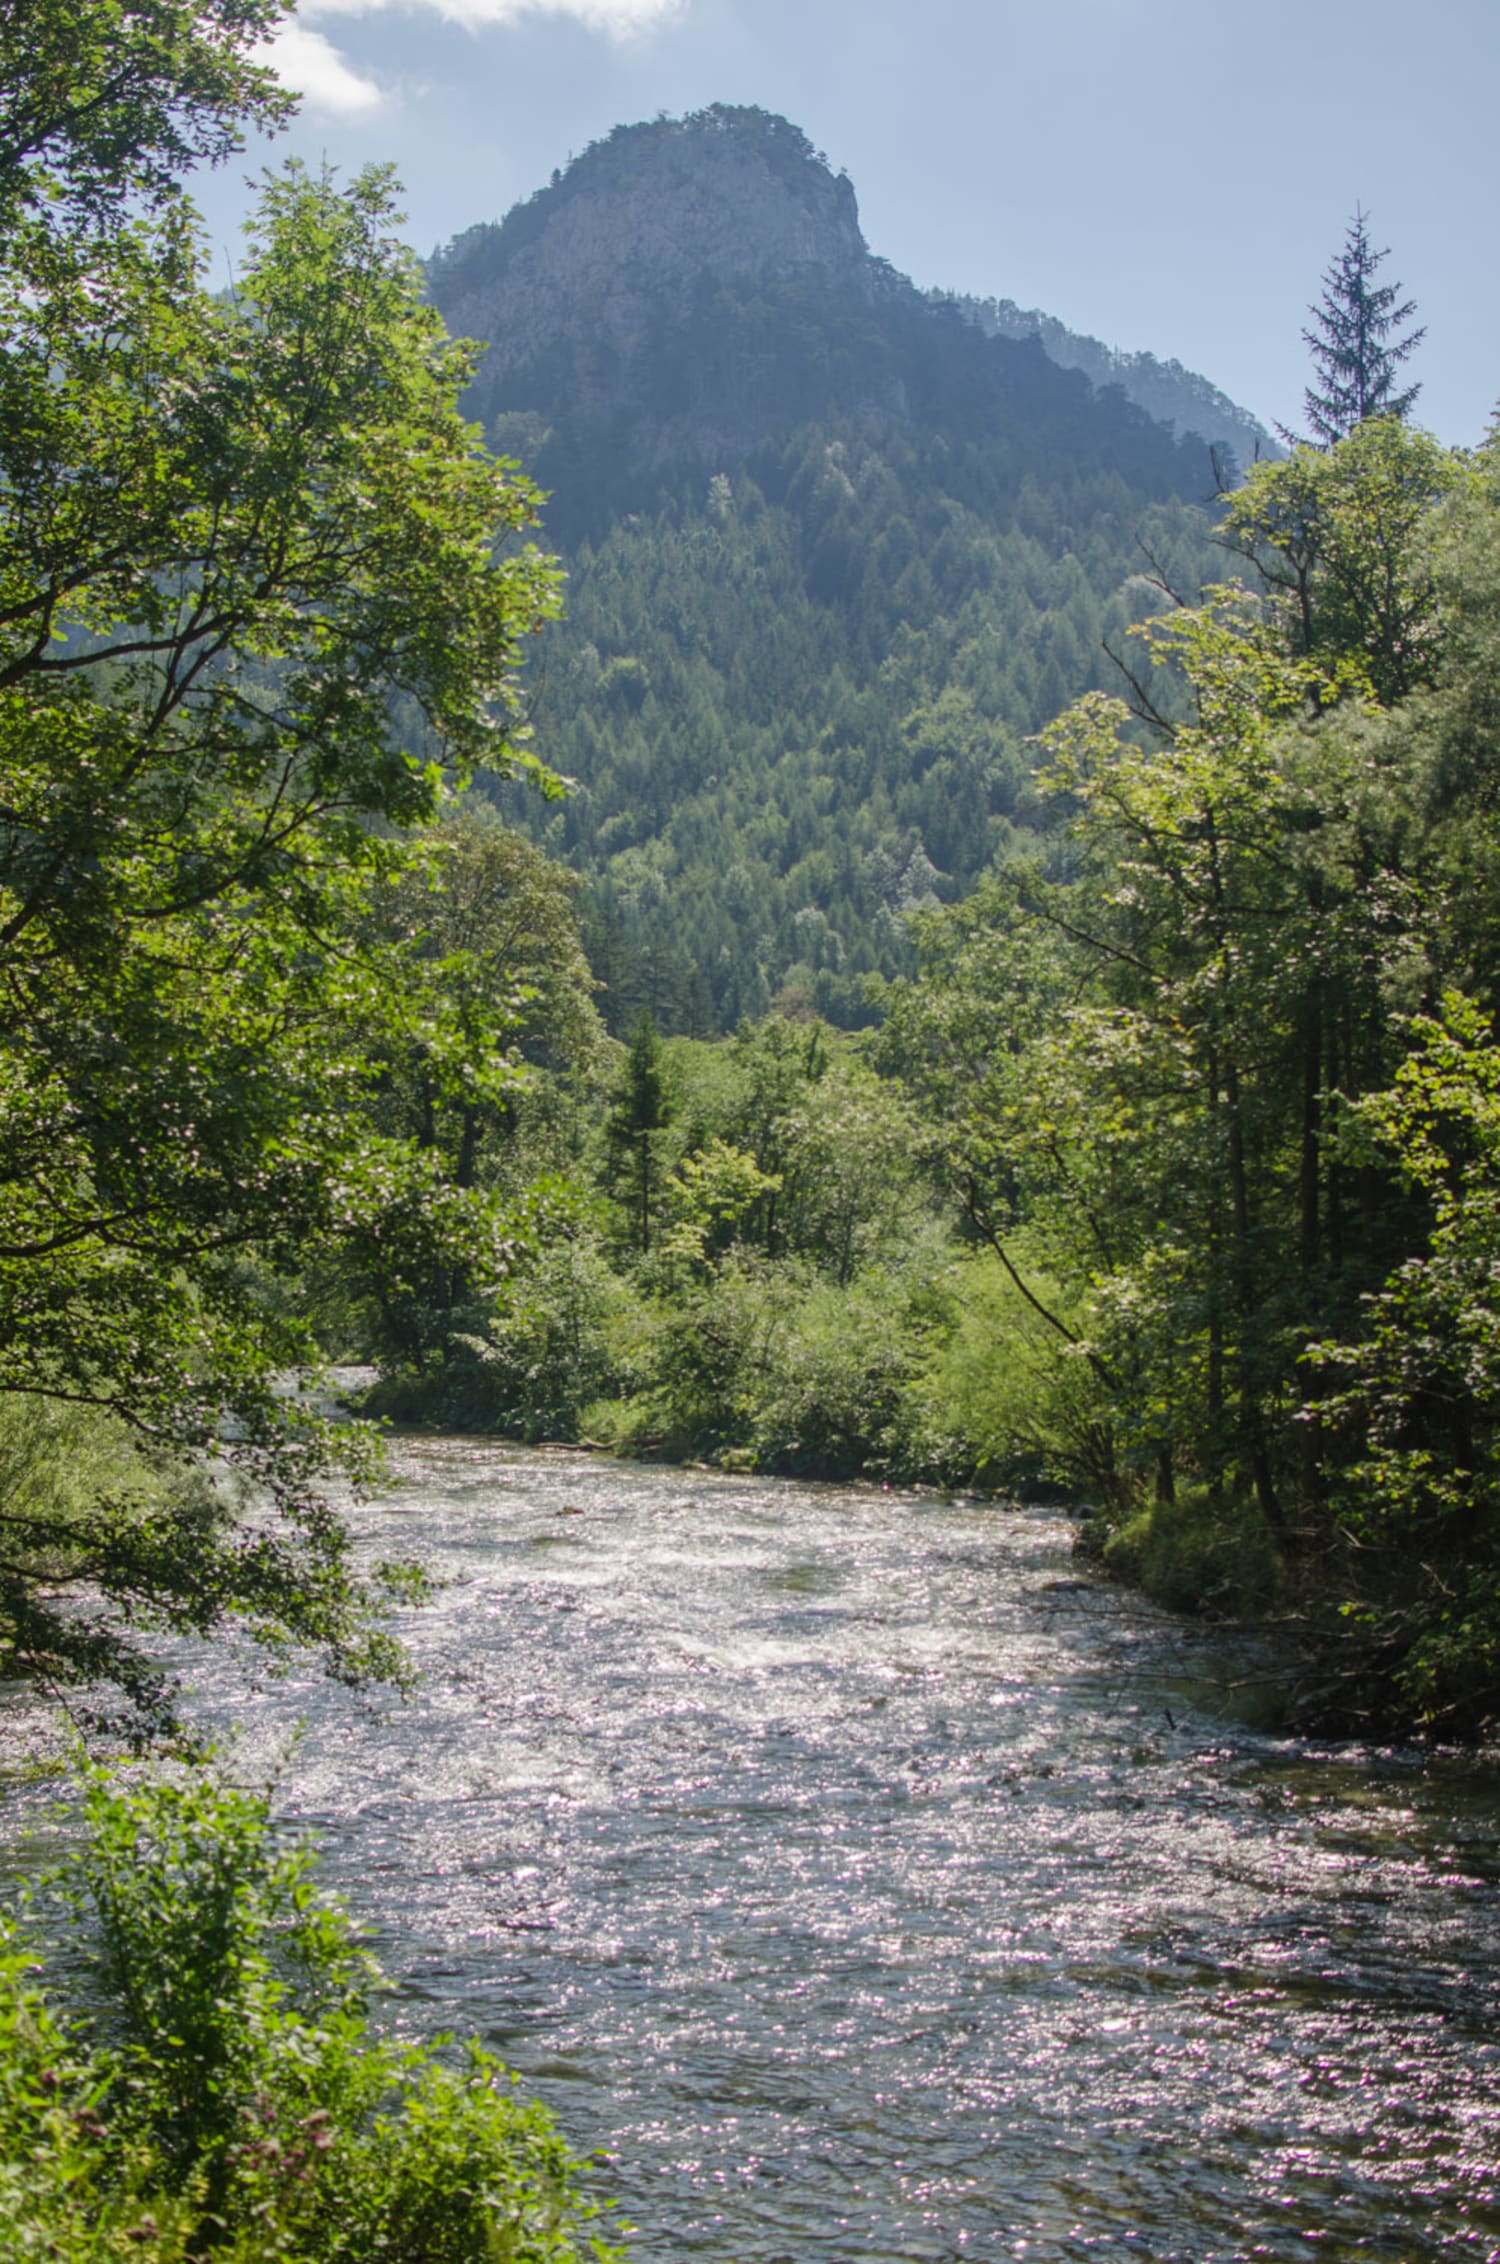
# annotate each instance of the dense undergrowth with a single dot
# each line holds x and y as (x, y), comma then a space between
(194, 2072)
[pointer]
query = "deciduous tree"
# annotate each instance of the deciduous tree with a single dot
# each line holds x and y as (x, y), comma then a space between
(248, 558)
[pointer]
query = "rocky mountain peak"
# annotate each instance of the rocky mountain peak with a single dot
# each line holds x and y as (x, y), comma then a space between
(654, 212)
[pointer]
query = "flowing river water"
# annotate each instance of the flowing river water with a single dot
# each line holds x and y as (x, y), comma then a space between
(870, 1888)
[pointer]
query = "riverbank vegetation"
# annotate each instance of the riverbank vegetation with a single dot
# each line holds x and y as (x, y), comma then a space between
(189, 2068)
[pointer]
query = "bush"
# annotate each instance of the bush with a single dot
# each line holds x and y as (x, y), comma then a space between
(533, 1352)
(1000, 1395)
(766, 1365)
(227, 2092)
(64, 2194)
(1198, 1554)
(834, 1403)
(549, 1348)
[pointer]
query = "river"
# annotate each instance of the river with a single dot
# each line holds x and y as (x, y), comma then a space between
(872, 1889)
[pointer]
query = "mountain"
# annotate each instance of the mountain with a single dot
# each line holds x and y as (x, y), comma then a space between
(1176, 396)
(705, 279)
(834, 549)
(593, 292)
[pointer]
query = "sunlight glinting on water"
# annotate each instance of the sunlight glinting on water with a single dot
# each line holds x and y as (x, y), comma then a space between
(871, 1888)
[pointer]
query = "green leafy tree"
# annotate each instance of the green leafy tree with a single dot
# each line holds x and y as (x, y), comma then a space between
(1419, 1389)
(707, 1200)
(1198, 1104)
(247, 557)
(1340, 539)
(107, 101)
(1140, 1055)
(1201, 934)
(642, 1111)
(486, 1010)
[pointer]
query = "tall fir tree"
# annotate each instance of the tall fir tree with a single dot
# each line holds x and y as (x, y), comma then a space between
(1354, 347)
(642, 1110)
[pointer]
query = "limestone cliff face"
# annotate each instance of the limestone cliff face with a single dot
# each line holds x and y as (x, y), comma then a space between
(577, 292)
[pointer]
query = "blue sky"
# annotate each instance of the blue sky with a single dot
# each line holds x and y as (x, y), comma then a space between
(1167, 174)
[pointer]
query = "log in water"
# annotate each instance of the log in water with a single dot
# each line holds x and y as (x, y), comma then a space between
(872, 1889)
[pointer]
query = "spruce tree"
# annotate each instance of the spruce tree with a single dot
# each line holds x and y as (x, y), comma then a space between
(642, 1111)
(1355, 353)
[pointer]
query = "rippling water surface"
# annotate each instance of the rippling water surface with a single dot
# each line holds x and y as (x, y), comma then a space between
(871, 1888)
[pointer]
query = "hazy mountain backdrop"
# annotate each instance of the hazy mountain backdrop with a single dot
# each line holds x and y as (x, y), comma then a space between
(836, 547)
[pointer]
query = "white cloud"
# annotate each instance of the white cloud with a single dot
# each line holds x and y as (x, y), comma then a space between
(618, 18)
(311, 66)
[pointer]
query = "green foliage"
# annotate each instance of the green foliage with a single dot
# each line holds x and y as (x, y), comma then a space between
(67, 2195)
(641, 1112)
(834, 1401)
(547, 1342)
(248, 561)
(774, 1311)
(795, 691)
(487, 1007)
(213, 1952)
(105, 101)
(1001, 1395)
(1419, 1389)
(708, 1198)
(1342, 539)
(763, 1365)
(1198, 1552)
(1235, 1178)
(1139, 1063)
(227, 2093)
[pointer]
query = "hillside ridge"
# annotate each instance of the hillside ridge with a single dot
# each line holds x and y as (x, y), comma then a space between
(834, 555)
(1166, 390)
(593, 296)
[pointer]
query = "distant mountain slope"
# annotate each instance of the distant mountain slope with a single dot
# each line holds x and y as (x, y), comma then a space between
(1178, 397)
(833, 552)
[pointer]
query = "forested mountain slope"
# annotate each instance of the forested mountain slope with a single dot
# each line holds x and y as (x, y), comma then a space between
(834, 553)
(1178, 396)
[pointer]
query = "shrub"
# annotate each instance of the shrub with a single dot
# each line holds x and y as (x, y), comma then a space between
(999, 1393)
(228, 2093)
(64, 2194)
(833, 1404)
